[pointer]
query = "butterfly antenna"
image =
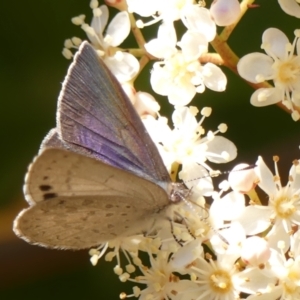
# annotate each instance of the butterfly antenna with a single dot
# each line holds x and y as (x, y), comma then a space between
(216, 173)
(173, 234)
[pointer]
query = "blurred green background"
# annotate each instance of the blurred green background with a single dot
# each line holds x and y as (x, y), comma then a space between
(31, 72)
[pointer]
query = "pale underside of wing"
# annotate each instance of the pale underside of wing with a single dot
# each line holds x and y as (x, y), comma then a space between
(79, 202)
(82, 222)
(56, 173)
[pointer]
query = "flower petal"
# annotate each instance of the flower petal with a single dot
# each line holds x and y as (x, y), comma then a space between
(196, 178)
(118, 29)
(214, 78)
(274, 42)
(254, 64)
(255, 219)
(217, 146)
(230, 206)
(265, 97)
(291, 7)
(193, 44)
(199, 19)
(164, 45)
(182, 93)
(143, 8)
(266, 178)
(99, 23)
(124, 69)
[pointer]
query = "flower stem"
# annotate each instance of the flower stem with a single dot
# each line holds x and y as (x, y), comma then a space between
(254, 197)
(228, 29)
(174, 171)
(143, 61)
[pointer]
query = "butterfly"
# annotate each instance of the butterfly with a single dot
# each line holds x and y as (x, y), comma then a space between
(98, 175)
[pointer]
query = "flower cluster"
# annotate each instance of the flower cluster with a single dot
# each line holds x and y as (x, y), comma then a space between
(219, 243)
(248, 257)
(281, 64)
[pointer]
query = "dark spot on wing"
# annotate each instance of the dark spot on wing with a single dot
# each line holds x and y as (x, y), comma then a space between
(109, 206)
(45, 187)
(45, 177)
(48, 196)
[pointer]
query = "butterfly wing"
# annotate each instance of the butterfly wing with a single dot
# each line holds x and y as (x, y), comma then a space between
(78, 202)
(94, 113)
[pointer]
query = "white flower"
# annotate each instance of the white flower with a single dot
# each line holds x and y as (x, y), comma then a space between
(198, 19)
(228, 207)
(180, 75)
(159, 279)
(188, 143)
(287, 270)
(222, 280)
(291, 7)
(194, 17)
(281, 64)
(128, 245)
(123, 65)
(283, 207)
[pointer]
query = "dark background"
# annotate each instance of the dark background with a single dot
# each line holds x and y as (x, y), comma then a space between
(31, 72)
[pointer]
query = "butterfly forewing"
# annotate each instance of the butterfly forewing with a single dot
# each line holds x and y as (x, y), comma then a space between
(79, 202)
(94, 113)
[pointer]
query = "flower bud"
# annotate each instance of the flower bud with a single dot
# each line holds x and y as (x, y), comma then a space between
(225, 12)
(242, 180)
(255, 251)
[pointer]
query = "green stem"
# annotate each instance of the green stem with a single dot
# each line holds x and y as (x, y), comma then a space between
(174, 171)
(254, 197)
(143, 62)
(137, 32)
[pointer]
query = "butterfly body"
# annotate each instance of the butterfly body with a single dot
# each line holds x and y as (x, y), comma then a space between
(98, 174)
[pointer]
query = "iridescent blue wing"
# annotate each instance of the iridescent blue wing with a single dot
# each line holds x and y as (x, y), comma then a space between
(95, 117)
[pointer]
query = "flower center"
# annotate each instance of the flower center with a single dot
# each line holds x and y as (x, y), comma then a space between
(220, 282)
(288, 71)
(284, 207)
(180, 4)
(290, 287)
(182, 72)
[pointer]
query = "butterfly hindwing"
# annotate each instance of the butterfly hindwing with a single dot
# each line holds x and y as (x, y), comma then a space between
(72, 195)
(80, 222)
